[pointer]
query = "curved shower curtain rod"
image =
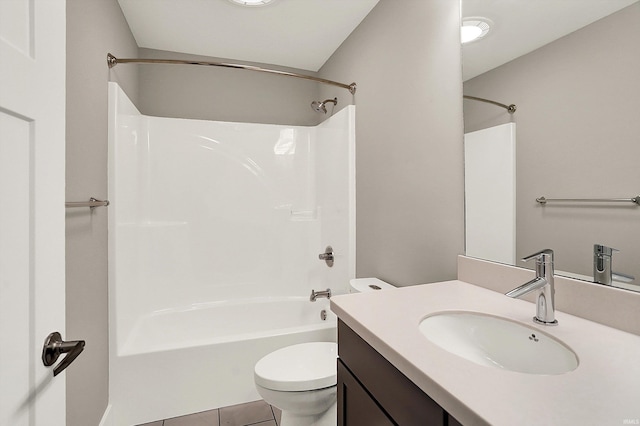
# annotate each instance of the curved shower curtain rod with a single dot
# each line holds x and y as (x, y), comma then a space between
(112, 61)
(511, 108)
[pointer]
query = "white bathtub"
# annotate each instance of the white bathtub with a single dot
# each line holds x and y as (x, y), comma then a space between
(225, 322)
(183, 361)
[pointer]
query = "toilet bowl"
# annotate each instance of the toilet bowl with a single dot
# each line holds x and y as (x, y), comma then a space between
(301, 379)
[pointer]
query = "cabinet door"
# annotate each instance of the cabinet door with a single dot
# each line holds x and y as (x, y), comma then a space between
(402, 400)
(355, 406)
(453, 421)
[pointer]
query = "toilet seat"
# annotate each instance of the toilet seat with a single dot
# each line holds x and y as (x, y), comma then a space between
(303, 367)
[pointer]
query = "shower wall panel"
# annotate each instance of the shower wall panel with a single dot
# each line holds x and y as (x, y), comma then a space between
(206, 212)
(218, 217)
(336, 187)
(490, 193)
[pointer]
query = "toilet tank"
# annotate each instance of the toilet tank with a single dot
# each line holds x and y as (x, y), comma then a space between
(361, 285)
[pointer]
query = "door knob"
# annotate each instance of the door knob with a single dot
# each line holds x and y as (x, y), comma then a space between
(54, 346)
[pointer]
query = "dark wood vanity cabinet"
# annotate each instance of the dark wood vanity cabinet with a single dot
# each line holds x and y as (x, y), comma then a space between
(372, 392)
(356, 406)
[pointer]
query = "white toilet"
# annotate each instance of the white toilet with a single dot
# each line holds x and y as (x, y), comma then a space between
(301, 379)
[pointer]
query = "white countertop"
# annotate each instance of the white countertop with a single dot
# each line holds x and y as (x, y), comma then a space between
(603, 390)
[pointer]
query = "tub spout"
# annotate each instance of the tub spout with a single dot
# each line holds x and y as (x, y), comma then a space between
(315, 294)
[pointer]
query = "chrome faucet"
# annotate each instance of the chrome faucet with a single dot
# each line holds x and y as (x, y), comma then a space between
(602, 271)
(323, 293)
(543, 282)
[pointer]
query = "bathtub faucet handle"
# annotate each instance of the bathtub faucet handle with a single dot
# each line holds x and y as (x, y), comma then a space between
(327, 256)
(315, 294)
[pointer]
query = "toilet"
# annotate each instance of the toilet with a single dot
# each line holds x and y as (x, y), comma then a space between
(301, 380)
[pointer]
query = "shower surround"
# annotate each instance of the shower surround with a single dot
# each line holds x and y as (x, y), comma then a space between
(214, 234)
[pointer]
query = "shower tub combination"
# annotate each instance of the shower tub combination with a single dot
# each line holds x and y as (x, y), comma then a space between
(214, 234)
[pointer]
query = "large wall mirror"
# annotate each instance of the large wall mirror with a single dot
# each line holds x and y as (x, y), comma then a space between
(572, 68)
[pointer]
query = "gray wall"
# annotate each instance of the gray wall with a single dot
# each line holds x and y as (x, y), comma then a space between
(577, 125)
(405, 58)
(94, 27)
(223, 94)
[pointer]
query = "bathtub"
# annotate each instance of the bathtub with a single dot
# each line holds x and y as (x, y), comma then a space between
(201, 357)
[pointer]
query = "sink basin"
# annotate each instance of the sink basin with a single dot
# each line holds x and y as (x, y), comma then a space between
(498, 342)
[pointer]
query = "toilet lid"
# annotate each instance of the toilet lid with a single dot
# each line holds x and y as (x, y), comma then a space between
(303, 367)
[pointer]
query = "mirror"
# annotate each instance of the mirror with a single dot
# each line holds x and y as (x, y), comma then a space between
(577, 128)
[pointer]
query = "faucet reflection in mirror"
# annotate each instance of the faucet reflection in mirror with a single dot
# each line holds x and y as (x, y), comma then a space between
(602, 271)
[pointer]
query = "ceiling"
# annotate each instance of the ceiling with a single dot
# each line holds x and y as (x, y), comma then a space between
(523, 26)
(303, 34)
(300, 34)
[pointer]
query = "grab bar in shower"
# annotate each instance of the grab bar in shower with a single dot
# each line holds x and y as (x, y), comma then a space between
(92, 203)
(112, 61)
(635, 200)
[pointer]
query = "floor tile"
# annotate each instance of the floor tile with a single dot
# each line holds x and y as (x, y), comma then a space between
(157, 423)
(277, 414)
(206, 418)
(269, 423)
(245, 414)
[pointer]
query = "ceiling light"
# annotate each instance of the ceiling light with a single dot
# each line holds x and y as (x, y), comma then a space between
(473, 29)
(252, 2)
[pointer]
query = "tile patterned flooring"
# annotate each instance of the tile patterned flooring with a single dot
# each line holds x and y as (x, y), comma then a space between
(257, 413)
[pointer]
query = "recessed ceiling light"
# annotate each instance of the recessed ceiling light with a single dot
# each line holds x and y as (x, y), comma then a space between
(252, 2)
(475, 28)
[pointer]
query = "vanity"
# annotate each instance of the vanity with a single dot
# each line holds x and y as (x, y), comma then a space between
(371, 391)
(390, 372)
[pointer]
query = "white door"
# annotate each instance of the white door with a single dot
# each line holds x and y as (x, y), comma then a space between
(32, 131)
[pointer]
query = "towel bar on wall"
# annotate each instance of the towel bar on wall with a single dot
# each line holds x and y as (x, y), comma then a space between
(91, 203)
(635, 200)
